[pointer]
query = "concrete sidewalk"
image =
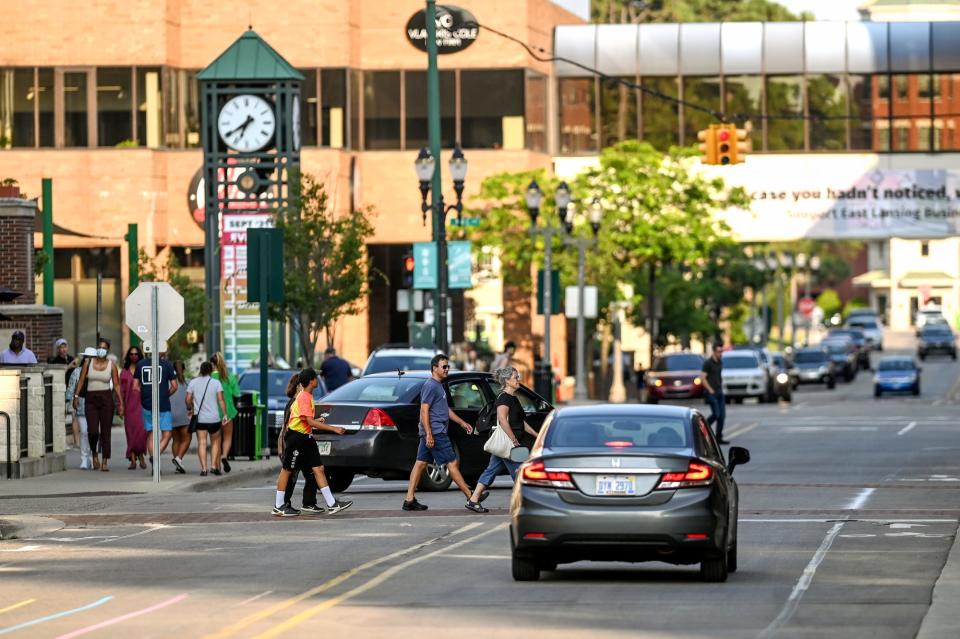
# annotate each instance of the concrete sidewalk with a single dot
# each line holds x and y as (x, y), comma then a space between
(942, 620)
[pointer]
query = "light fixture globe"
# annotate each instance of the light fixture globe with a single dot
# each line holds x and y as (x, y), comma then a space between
(562, 196)
(533, 197)
(425, 165)
(458, 165)
(815, 263)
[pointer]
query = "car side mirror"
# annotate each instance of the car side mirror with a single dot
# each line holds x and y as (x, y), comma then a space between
(519, 454)
(738, 455)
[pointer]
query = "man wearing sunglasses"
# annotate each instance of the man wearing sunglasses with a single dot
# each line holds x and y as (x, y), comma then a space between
(435, 446)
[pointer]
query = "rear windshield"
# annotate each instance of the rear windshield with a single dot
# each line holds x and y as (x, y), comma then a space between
(836, 347)
(601, 431)
(863, 322)
(739, 361)
(678, 363)
(386, 363)
(937, 330)
(809, 357)
(401, 390)
(896, 365)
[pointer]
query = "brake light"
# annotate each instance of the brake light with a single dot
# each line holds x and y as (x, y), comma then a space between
(697, 536)
(535, 474)
(378, 419)
(619, 444)
(697, 474)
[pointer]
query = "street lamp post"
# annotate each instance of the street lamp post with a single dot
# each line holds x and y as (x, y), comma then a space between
(428, 172)
(582, 244)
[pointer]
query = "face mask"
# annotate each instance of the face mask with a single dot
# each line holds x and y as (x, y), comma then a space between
(101, 353)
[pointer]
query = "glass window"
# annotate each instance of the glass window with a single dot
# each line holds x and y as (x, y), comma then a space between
(356, 101)
(902, 86)
(619, 432)
(577, 109)
(467, 395)
(190, 87)
(149, 108)
(946, 109)
(381, 109)
(45, 106)
(784, 112)
(171, 108)
(18, 99)
(308, 108)
(924, 135)
(392, 389)
(333, 108)
(75, 131)
(925, 249)
(827, 99)
(661, 120)
(114, 105)
(869, 130)
(415, 94)
(744, 95)
(901, 136)
(703, 92)
(883, 87)
(925, 86)
(618, 112)
(536, 111)
(491, 109)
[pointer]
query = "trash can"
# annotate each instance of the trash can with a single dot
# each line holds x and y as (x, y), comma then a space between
(543, 381)
(244, 427)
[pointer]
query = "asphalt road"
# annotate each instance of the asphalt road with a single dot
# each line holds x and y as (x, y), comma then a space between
(848, 511)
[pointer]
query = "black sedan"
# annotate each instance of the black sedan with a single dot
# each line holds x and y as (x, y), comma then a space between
(860, 344)
(626, 483)
(381, 412)
(936, 338)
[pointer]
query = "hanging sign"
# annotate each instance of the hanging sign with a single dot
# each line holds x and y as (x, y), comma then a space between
(457, 29)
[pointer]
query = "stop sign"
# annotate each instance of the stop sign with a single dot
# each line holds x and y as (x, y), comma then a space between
(169, 315)
(806, 305)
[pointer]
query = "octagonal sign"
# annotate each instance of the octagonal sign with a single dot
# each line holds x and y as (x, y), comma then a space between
(169, 311)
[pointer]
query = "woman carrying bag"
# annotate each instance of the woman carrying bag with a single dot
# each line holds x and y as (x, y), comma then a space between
(205, 404)
(102, 381)
(510, 426)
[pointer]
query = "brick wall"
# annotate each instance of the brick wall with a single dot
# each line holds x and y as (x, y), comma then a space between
(16, 247)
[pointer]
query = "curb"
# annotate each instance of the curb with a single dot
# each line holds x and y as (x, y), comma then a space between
(231, 479)
(27, 526)
(943, 616)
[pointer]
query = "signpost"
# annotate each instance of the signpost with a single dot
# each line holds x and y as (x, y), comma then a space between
(264, 285)
(151, 326)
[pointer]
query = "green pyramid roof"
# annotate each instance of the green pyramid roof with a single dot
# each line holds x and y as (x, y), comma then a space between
(250, 58)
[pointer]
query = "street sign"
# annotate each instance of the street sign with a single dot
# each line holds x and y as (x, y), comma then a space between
(806, 305)
(169, 319)
(572, 306)
(403, 300)
(466, 221)
(425, 265)
(459, 265)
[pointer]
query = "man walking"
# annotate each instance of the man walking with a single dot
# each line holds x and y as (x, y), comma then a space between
(18, 354)
(167, 386)
(334, 370)
(713, 384)
(435, 446)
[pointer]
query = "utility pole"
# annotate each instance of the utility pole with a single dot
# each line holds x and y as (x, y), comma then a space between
(133, 260)
(437, 207)
(48, 273)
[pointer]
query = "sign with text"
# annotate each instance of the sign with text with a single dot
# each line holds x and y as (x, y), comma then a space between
(425, 265)
(457, 29)
(459, 265)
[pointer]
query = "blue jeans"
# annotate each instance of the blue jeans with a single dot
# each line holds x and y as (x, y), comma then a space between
(495, 466)
(718, 411)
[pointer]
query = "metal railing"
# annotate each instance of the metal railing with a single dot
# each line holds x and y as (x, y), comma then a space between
(9, 447)
(48, 413)
(24, 416)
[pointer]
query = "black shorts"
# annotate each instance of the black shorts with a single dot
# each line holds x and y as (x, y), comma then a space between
(212, 427)
(300, 451)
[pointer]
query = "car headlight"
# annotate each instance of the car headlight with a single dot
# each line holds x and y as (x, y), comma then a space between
(823, 370)
(696, 381)
(783, 378)
(658, 382)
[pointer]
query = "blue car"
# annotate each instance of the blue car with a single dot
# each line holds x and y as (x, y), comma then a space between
(896, 374)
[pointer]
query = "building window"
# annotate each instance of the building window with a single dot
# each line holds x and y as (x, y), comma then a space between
(491, 109)
(883, 87)
(18, 101)
(75, 109)
(536, 111)
(901, 137)
(149, 107)
(924, 135)
(827, 106)
(660, 117)
(946, 111)
(618, 112)
(333, 108)
(902, 87)
(784, 96)
(577, 122)
(308, 108)
(45, 89)
(415, 103)
(928, 87)
(381, 109)
(744, 94)
(925, 249)
(869, 127)
(703, 92)
(114, 106)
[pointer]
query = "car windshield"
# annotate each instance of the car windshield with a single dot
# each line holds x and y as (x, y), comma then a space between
(895, 365)
(809, 357)
(778, 360)
(836, 348)
(937, 331)
(276, 382)
(393, 389)
(740, 361)
(386, 363)
(678, 363)
(618, 432)
(863, 322)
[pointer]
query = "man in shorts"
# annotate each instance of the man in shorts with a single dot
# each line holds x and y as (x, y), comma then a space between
(167, 387)
(300, 450)
(435, 446)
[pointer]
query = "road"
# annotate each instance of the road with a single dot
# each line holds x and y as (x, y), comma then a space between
(849, 509)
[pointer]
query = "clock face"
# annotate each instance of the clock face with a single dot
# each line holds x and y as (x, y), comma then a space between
(246, 123)
(296, 122)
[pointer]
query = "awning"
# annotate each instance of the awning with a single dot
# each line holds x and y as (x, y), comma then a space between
(933, 279)
(873, 279)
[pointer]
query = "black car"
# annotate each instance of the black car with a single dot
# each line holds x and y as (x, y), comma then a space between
(843, 354)
(937, 338)
(277, 379)
(813, 366)
(859, 340)
(381, 412)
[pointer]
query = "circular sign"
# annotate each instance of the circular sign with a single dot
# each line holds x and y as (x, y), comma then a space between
(457, 29)
(195, 198)
(806, 305)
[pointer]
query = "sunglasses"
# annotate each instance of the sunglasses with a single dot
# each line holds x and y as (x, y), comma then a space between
(444, 368)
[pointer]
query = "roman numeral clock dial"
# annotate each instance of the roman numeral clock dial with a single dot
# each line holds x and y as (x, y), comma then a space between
(246, 123)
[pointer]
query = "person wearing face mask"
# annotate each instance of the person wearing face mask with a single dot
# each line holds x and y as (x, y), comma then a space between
(133, 416)
(100, 375)
(18, 354)
(77, 396)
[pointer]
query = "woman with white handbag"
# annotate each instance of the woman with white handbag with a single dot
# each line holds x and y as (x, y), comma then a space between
(504, 436)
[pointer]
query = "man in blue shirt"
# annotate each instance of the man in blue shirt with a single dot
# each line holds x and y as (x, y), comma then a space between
(435, 446)
(334, 370)
(166, 388)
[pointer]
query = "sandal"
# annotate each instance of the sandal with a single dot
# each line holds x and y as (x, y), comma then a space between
(133, 465)
(143, 464)
(475, 507)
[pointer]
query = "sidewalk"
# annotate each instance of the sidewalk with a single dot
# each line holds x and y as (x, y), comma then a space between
(943, 617)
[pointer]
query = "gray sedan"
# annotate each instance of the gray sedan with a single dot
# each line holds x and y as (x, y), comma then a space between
(626, 483)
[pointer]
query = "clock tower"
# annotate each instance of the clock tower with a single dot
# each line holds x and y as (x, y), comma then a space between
(250, 129)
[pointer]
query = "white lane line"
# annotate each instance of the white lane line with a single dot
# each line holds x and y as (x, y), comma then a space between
(858, 502)
(906, 429)
(254, 598)
(152, 528)
(498, 557)
(744, 430)
(793, 601)
(830, 520)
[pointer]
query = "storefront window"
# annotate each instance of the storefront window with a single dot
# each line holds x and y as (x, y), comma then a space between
(149, 107)
(618, 112)
(18, 99)
(491, 109)
(114, 105)
(75, 130)
(308, 108)
(869, 130)
(577, 123)
(827, 105)
(415, 94)
(536, 111)
(946, 110)
(703, 92)
(333, 108)
(661, 120)
(784, 113)
(743, 100)
(381, 109)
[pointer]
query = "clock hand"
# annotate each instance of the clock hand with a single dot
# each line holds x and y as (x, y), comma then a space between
(242, 127)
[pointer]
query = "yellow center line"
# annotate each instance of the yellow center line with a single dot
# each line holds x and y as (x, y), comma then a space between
(25, 602)
(327, 585)
(368, 585)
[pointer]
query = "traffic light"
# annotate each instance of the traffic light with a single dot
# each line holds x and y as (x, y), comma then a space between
(723, 144)
(708, 146)
(408, 264)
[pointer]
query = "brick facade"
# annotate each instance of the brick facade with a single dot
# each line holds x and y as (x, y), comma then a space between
(17, 218)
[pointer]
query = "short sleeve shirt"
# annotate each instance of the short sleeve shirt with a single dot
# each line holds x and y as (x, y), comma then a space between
(167, 375)
(301, 409)
(714, 370)
(204, 391)
(336, 372)
(433, 395)
(515, 412)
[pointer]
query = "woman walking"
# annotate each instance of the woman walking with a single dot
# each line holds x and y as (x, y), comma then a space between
(132, 413)
(180, 418)
(204, 397)
(309, 502)
(231, 391)
(100, 376)
(510, 420)
(75, 393)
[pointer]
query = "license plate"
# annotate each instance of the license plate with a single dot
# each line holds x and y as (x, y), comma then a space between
(617, 485)
(324, 447)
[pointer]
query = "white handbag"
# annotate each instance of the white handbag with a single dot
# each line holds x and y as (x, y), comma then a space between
(498, 444)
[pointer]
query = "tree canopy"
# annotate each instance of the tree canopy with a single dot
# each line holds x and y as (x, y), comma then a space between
(638, 11)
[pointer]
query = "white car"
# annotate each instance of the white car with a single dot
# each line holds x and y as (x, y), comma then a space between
(745, 375)
(399, 358)
(871, 327)
(928, 316)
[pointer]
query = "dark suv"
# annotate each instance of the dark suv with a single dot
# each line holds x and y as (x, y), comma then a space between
(936, 338)
(813, 366)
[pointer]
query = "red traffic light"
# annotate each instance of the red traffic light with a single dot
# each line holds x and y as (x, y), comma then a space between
(408, 264)
(723, 135)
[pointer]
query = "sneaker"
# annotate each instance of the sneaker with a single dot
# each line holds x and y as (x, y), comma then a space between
(178, 466)
(340, 504)
(312, 509)
(285, 511)
(216, 471)
(203, 473)
(476, 507)
(226, 465)
(413, 505)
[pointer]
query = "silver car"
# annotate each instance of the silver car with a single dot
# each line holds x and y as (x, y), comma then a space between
(626, 483)
(745, 375)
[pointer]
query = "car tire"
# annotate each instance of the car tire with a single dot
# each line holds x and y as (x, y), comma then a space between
(953, 355)
(651, 399)
(714, 569)
(877, 392)
(786, 397)
(339, 480)
(524, 568)
(923, 356)
(732, 558)
(738, 400)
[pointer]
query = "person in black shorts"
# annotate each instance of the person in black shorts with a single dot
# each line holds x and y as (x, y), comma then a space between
(309, 502)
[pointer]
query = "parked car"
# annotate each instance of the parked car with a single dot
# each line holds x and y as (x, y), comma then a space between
(249, 382)
(674, 376)
(937, 338)
(895, 374)
(844, 356)
(871, 326)
(626, 483)
(813, 366)
(394, 357)
(381, 412)
(745, 375)
(859, 340)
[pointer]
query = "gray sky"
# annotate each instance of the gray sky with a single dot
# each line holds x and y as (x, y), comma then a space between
(826, 9)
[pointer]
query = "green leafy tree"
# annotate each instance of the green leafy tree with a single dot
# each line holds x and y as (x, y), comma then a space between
(326, 265)
(638, 11)
(195, 302)
(829, 302)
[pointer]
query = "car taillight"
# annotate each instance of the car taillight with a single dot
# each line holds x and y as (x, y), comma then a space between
(378, 419)
(535, 474)
(696, 475)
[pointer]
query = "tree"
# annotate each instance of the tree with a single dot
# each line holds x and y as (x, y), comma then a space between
(326, 266)
(829, 302)
(195, 302)
(639, 11)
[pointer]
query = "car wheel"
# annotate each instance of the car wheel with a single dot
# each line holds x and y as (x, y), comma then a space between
(524, 568)
(923, 356)
(339, 480)
(714, 569)
(651, 399)
(436, 478)
(953, 355)
(738, 400)
(877, 392)
(786, 397)
(732, 558)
